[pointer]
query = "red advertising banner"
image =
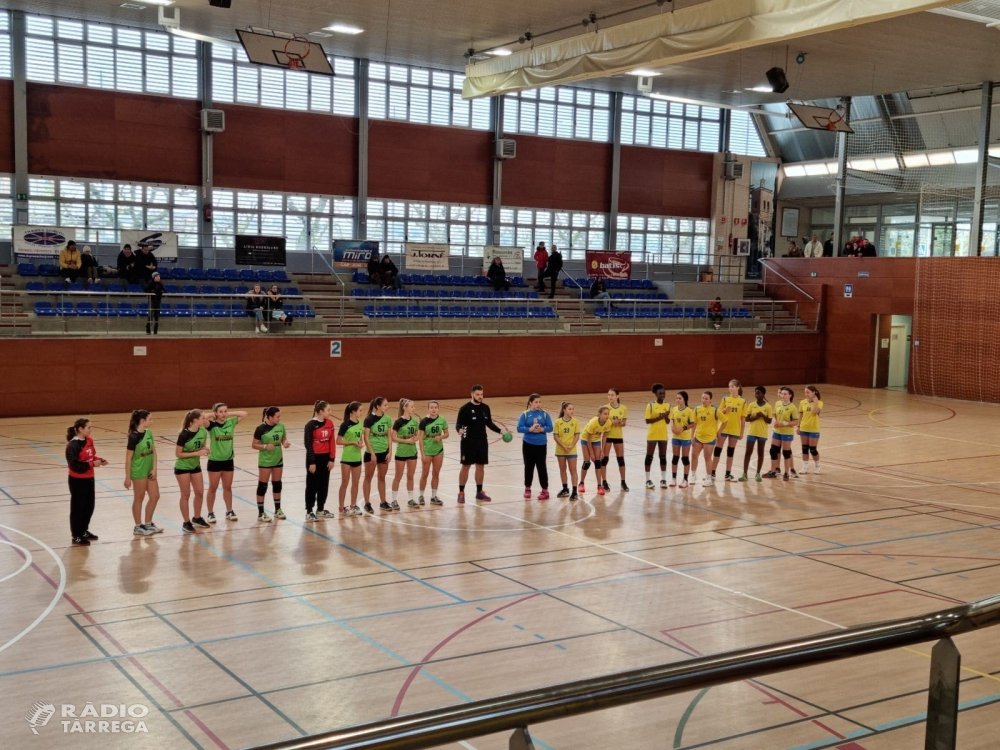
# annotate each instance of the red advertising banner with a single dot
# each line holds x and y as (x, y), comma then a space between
(609, 265)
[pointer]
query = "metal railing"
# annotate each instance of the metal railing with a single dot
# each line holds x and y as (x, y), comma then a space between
(396, 314)
(518, 711)
(766, 269)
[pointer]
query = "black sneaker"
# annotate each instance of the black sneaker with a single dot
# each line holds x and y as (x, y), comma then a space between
(574, 496)
(729, 477)
(81, 541)
(624, 487)
(421, 500)
(188, 527)
(607, 487)
(437, 501)
(564, 492)
(231, 515)
(369, 508)
(89, 537)
(210, 518)
(200, 522)
(384, 506)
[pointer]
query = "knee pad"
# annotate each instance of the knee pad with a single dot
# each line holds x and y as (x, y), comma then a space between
(686, 460)
(787, 453)
(805, 450)
(586, 465)
(276, 486)
(604, 461)
(775, 452)
(814, 450)
(676, 460)
(621, 460)
(731, 451)
(648, 462)
(261, 489)
(718, 451)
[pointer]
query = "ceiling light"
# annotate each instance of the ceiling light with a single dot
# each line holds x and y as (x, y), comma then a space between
(995, 151)
(966, 156)
(644, 72)
(677, 99)
(831, 167)
(502, 52)
(814, 169)
(886, 162)
(762, 88)
(914, 161)
(794, 170)
(941, 158)
(133, 6)
(156, 2)
(344, 28)
(320, 34)
(202, 37)
(862, 165)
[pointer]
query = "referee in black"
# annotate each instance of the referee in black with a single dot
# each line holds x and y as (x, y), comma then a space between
(473, 419)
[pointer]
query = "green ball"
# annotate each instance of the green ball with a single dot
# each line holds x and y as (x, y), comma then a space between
(507, 437)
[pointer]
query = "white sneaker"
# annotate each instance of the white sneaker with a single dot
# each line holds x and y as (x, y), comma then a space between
(694, 476)
(707, 482)
(805, 469)
(263, 329)
(142, 530)
(816, 471)
(649, 484)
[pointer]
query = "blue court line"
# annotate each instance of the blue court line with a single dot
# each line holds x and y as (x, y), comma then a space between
(9, 496)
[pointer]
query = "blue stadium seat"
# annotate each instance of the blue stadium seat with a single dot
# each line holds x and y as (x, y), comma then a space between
(197, 274)
(134, 289)
(201, 310)
(291, 291)
(304, 311)
(247, 275)
(86, 310)
(65, 309)
(179, 274)
(44, 309)
(172, 288)
(48, 269)
(189, 289)
(240, 289)
(55, 286)
(280, 276)
(206, 289)
(27, 269)
(165, 273)
(237, 310)
(264, 275)
(34, 286)
(224, 289)
(213, 274)
(231, 274)
(220, 310)
(182, 310)
(125, 310)
(167, 310)
(107, 310)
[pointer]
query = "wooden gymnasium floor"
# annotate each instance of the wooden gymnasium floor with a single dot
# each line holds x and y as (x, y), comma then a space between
(250, 633)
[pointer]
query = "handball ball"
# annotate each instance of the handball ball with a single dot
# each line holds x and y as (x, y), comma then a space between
(507, 437)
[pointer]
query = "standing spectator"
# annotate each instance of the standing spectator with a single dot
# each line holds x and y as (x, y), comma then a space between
(848, 251)
(256, 307)
(375, 271)
(793, 250)
(126, 266)
(715, 313)
(88, 265)
(145, 264)
(867, 249)
(814, 249)
(541, 260)
(155, 291)
(275, 303)
(599, 291)
(552, 269)
(497, 275)
(390, 274)
(828, 247)
(69, 262)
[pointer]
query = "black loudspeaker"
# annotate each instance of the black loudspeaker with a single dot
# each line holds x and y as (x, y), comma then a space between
(776, 77)
(220, 3)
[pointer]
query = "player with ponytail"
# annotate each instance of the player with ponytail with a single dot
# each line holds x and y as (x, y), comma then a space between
(378, 441)
(190, 447)
(350, 438)
(404, 436)
(81, 460)
(140, 472)
(268, 439)
(320, 454)
(809, 410)
(733, 410)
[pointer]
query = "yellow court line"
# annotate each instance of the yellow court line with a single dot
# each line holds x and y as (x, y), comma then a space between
(964, 668)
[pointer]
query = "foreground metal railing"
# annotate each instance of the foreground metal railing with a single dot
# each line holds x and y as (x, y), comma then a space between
(518, 711)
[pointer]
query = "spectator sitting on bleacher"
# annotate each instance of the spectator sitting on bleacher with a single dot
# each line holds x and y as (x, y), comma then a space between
(69, 262)
(145, 264)
(257, 307)
(88, 266)
(497, 275)
(155, 290)
(715, 313)
(599, 291)
(126, 266)
(275, 303)
(541, 260)
(390, 274)
(375, 271)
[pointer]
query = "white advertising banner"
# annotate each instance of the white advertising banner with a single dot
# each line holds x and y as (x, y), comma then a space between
(423, 256)
(161, 244)
(41, 241)
(512, 258)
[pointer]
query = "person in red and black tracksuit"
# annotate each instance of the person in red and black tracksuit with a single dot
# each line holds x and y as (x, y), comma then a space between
(81, 460)
(320, 453)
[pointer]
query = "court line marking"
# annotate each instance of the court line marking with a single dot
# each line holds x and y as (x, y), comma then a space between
(24, 553)
(60, 588)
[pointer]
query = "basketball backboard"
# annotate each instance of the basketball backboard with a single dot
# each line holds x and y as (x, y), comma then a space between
(282, 50)
(820, 118)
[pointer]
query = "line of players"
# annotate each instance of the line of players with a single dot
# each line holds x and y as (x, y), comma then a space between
(368, 443)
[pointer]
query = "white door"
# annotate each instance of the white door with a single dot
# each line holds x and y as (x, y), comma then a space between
(897, 357)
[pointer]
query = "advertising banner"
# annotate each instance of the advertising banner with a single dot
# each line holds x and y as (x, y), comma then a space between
(161, 244)
(258, 250)
(609, 265)
(512, 257)
(423, 256)
(41, 241)
(353, 253)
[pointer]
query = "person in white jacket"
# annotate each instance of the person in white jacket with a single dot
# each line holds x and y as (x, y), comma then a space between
(814, 249)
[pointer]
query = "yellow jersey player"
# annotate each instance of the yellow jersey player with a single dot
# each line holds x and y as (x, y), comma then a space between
(758, 416)
(681, 422)
(566, 433)
(734, 411)
(809, 410)
(786, 417)
(706, 433)
(657, 415)
(619, 418)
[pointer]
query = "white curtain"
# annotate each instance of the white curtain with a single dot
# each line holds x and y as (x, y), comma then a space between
(703, 30)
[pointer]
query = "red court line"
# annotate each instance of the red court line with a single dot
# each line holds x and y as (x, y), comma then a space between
(133, 660)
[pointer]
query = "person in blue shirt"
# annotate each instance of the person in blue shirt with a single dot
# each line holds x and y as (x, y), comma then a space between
(535, 425)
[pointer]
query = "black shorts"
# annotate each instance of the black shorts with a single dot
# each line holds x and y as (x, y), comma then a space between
(196, 470)
(616, 441)
(380, 458)
(278, 466)
(475, 453)
(217, 466)
(405, 458)
(352, 464)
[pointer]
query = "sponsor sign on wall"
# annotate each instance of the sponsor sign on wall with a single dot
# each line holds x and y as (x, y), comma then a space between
(423, 256)
(353, 253)
(41, 241)
(609, 265)
(161, 244)
(512, 258)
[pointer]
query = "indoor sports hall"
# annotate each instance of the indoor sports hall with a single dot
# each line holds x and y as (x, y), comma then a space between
(533, 376)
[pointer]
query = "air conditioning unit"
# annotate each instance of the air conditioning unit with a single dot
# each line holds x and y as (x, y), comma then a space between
(213, 120)
(732, 170)
(506, 148)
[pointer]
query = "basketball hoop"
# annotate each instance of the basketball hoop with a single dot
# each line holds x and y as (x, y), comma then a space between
(297, 56)
(834, 120)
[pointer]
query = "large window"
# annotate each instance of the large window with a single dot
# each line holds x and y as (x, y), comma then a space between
(743, 135)
(307, 222)
(6, 205)
(574, 232)
(659, 239)
(96, 55)
(5, 71)
(560, 112)
(667, 124)
(236, 79)
(462, 226)
(401, 92)
(100, 209)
